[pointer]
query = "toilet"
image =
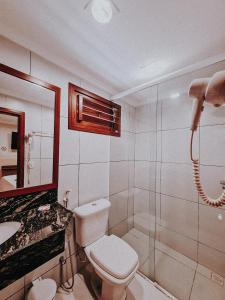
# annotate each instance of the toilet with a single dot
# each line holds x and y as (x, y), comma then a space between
(113, 260)
(42, 289)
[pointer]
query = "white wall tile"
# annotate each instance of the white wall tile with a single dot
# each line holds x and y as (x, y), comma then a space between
(119, 176)
(120, 230)
(93, 182)
(177, 242)
(211, 228)
(145, 118)
(212, 259)
(212, 144)
(141, 201)
(68, 180)
(176, 146)
(176, 113)
(47, 147)
(119, 147)
(142, 174)
(94, 147)
(177, 180)
(210, 179)
(145, 146)
(118, 209)
(180, 216)
(46, 171)
(69, 144)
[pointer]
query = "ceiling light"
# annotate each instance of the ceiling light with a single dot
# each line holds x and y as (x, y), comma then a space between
(175, 95)
(102, 11)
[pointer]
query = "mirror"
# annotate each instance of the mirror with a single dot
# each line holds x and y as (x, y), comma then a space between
(29, 132)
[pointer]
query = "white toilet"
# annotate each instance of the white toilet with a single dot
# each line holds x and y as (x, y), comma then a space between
(113, 259)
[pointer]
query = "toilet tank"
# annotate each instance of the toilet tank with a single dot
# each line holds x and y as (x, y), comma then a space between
(91, 221)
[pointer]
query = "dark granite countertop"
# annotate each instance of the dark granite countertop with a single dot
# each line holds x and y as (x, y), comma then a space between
(35, 226)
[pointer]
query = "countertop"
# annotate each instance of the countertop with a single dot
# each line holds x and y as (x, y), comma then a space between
(35, 226)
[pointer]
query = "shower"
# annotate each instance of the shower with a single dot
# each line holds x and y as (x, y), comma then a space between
(211, 90)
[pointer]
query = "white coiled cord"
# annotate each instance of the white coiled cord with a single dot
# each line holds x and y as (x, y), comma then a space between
(220, 201)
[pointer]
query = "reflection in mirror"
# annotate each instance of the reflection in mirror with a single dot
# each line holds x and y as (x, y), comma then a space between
(26, 152)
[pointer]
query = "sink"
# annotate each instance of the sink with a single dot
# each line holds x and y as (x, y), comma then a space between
(7, 230)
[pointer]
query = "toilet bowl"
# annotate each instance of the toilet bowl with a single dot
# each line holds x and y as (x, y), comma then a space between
(113, 260)
(42, 289)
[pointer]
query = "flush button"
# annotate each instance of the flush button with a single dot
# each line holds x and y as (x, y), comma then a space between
(93, 204)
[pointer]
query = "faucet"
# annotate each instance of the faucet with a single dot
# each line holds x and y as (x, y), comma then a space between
(66, 198)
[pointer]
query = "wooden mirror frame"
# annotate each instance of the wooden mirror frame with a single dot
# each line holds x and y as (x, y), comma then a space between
(57, 90)
(21, 141)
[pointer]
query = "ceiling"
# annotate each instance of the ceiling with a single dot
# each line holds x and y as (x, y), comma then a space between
(145, 40)
(24, 90)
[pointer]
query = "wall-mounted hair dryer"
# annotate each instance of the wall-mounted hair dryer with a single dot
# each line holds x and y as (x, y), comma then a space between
(211, 90)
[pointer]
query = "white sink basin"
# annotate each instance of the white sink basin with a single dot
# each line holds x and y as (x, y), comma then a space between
(7, 230)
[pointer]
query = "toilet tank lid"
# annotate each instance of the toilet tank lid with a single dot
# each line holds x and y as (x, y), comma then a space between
(91, 208)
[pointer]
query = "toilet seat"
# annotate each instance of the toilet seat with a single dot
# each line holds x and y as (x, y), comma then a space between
(113, 259)
(114, 256)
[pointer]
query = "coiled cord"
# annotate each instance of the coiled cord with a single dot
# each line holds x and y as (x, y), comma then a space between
(220, 201)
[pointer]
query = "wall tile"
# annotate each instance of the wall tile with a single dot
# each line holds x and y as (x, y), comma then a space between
(176, 145)
(119, 230)
(210, 179)
(93, 182)
(119, 147)
(119, 172)
(94, 147)
(118, 209)
(211, 228)
(176, 113)
(212, 144)
(180, 216)
(69, 144)
(177, 242)
(141, 201)
(212, 259)
(145, 146)
(145, 118)
(177, 181)
(46, 171)
(68, 181)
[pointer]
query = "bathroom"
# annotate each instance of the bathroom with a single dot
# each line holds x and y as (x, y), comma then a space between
(141, 66)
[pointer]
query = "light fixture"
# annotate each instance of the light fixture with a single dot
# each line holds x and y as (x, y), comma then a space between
(102, 11)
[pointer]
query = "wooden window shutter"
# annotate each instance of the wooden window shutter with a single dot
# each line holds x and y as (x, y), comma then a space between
(92, 113)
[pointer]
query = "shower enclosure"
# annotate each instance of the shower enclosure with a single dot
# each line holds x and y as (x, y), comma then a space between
(179, 239)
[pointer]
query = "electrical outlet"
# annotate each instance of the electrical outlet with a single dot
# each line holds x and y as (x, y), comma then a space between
(218, 279)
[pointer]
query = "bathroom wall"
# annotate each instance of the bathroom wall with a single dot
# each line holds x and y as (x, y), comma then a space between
(121, 179)
(84, 164)
(189, 248)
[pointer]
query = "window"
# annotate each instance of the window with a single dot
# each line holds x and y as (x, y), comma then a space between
(92, 113)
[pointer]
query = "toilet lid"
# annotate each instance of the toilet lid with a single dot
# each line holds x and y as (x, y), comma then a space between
(42, 289)
(114, 256)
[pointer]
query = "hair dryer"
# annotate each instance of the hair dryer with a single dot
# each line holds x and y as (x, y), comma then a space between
(211, 90)
(197, 89)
